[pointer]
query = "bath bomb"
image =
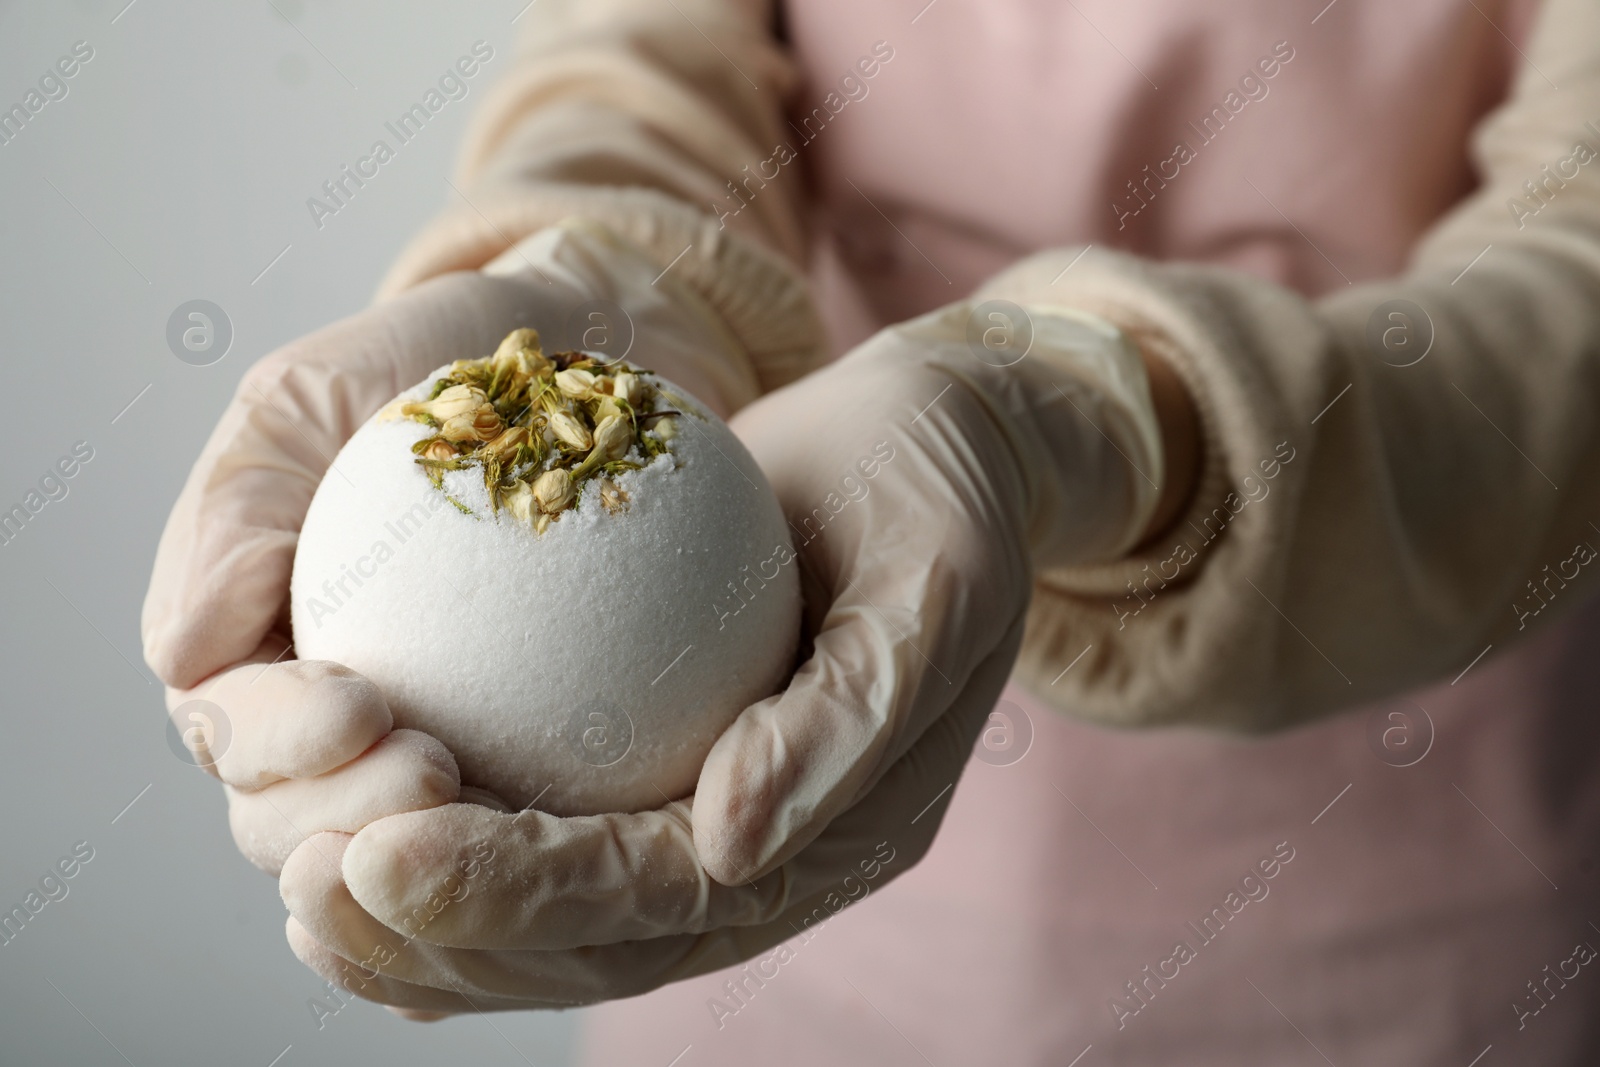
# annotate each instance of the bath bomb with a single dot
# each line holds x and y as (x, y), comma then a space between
(573, 574)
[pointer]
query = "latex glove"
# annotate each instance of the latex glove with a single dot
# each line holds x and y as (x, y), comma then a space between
(305, 746)
(921, 484)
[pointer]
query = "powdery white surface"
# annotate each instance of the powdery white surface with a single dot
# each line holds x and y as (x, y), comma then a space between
(589, 669)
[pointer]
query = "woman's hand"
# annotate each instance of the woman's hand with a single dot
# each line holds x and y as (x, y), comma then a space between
(305, 747)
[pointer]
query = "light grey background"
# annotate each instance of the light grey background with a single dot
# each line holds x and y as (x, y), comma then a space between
(181, 160)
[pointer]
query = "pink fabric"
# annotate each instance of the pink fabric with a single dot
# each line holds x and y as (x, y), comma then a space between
(1418, 907)
(1001, 128)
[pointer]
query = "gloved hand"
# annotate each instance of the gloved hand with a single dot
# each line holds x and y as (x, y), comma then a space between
(305, 747)
(922, 484)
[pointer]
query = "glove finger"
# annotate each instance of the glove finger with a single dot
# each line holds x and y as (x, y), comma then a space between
(895, 824)
(315, 893)
(791, 764)
(370, 983)
(920, 575)
(892, 827)
(405, 771)
(271, 718)
(538, 881)
(222, 568)
(867, 847)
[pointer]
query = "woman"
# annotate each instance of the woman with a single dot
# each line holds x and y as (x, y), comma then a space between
(1287, 413)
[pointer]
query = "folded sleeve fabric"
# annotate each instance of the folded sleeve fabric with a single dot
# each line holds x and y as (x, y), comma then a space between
(1396, 476)
(638, 115)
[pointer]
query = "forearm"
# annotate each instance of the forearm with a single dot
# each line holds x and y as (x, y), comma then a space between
(684, 99)
(633, 115)
(1358, 525)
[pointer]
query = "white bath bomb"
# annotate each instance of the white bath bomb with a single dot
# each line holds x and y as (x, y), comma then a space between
(585, 669)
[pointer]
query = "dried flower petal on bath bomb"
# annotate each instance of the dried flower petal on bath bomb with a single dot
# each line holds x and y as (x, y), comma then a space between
(481, 424)
(570, 432)
(505, 445)
(612, 438)
(439, 450)
(612, 498)
(453, 402)
(553, 491)
(627, 386)
(575, 383)
(519, 500)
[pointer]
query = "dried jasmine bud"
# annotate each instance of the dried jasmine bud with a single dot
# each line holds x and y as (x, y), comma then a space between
(516, 340)
(578, 384)
(571, 432)
(627, 386)
(452, 403)
(612, 438)
(505, 445)
(608, 407)
(481, 424)
(554, 491)
(519, 500)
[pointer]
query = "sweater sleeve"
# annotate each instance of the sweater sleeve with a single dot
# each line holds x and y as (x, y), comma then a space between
(637, 114)
(1396, 477)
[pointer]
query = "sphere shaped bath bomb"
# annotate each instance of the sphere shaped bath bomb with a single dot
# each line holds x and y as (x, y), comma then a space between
(572, 574)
